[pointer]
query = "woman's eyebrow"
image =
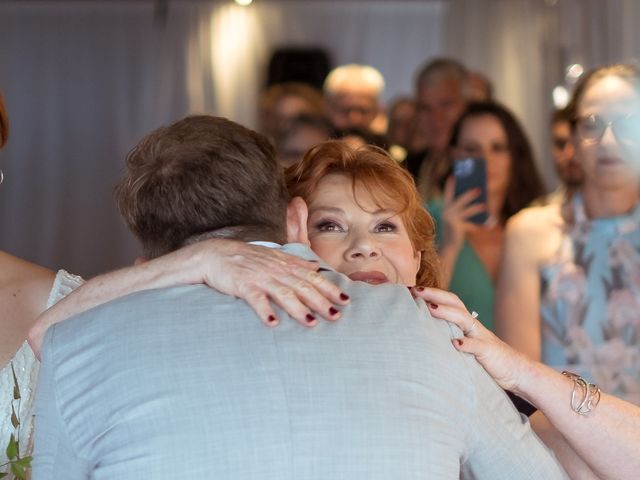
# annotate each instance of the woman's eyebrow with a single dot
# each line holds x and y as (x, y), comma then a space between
(331, 209)
(325, 208)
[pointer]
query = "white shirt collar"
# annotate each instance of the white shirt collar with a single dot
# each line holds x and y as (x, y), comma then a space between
(265, 244)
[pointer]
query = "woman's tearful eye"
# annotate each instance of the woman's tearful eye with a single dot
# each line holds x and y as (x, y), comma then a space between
(386, 228)
(328, 226)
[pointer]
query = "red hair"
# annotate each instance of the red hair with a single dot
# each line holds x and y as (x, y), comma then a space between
(390, 185)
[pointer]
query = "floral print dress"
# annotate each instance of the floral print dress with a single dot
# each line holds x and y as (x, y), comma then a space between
(590, 302)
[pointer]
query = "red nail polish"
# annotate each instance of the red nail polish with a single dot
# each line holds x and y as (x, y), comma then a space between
(459, 342)
(333, 311)
(310, 318)
(271, 319)
(420, 289)
(344, 296)
(434, 306)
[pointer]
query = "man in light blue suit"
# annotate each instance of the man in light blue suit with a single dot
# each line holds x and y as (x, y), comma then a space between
(187, 383)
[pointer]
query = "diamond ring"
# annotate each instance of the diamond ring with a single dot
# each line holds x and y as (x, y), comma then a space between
(474, 315)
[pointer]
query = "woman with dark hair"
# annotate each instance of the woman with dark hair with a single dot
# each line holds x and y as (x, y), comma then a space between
(470, 253)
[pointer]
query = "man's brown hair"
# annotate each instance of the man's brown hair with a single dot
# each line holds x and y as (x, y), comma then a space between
(202, 176)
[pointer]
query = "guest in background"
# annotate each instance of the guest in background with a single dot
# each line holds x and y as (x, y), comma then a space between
(282, 103)
(401, 117)
(566, 163)
(352, 97)
(568, 291)
(302, 133)
(471, 253)
(441, 97)
(479, 88)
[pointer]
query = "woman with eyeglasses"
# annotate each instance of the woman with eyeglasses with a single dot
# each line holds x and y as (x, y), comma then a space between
(569, 288)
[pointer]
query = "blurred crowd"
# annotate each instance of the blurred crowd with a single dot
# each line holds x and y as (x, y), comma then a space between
(452, 115)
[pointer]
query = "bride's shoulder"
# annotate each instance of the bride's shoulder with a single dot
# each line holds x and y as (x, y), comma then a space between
(14, 269)
(24, 287)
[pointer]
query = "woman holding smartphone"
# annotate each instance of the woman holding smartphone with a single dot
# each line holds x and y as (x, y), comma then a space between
(470, 252)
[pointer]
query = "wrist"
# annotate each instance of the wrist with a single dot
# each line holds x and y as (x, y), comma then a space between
(183, 266)
(540, 384)
(528, 375)
(197, 261)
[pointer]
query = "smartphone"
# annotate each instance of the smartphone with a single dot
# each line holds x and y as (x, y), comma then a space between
(470, 173)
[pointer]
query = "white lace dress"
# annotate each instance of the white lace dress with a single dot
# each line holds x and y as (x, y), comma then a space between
(26, 368)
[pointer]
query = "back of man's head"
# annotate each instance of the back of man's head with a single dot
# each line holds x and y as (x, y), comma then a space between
(202, 176)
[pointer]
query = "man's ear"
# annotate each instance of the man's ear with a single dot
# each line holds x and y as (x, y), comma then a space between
(297, 214)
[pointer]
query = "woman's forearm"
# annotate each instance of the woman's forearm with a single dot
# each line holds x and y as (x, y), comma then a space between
(607, 438)
(179, 267)
(257, 274)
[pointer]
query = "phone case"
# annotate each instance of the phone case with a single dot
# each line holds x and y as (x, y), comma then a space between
(471, 173)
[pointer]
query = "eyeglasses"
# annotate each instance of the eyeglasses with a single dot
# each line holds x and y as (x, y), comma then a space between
(625, 128)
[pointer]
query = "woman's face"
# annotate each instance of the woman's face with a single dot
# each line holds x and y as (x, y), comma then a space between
(607, 131)
(483, 136)
(359, 239)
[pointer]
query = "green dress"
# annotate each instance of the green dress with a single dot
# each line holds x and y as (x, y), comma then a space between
(470, 280)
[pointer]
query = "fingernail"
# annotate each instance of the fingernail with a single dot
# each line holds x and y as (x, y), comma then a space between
(310, 318)
(319, 269)
(434, 306)
(344, 296)
(420, 289)
(459, 342)
(333, 311)
(271, 319)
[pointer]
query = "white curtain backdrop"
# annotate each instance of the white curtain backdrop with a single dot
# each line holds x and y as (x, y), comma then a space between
(84, 80)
